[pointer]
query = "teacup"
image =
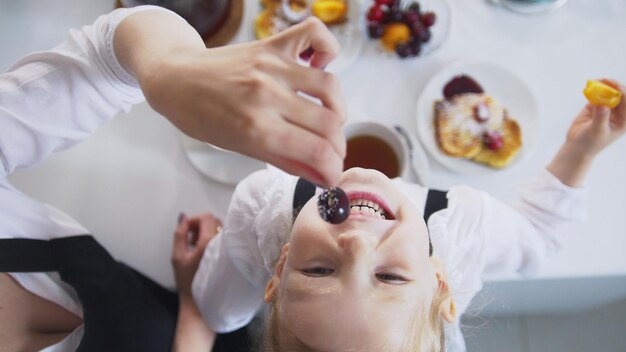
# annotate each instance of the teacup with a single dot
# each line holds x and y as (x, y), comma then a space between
(376, 146)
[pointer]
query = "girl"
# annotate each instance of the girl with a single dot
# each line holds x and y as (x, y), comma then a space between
(398, 273)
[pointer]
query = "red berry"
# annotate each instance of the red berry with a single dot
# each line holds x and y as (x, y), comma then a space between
(416, 46)
(493, 140)
(376, 14)
(428, 19)
(333, 205)
(411, 17)
(394, 15)
(385, 2)
(461, 84)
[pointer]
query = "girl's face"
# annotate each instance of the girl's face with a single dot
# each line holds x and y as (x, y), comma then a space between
(358, 285)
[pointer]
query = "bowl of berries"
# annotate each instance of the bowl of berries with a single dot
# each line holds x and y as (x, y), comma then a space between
(406, 28)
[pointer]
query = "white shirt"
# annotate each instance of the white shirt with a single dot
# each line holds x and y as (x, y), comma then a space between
(474, 236)
(50, 101)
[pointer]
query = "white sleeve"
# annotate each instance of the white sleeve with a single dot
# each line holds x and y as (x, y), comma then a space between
(52, 100)
(230, 282)
(519, 238)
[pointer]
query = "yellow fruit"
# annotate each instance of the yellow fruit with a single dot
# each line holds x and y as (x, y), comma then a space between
(599, 93)
(264, 24)
(330, 11)
(395, 33)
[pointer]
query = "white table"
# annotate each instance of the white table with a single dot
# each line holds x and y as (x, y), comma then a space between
(129, 182)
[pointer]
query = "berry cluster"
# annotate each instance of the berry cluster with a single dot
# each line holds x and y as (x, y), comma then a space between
(403, 29)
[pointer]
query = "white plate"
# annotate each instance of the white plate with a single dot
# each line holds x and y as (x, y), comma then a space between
(219, 164)
(439, 30)
(348, 34)
(499, 83)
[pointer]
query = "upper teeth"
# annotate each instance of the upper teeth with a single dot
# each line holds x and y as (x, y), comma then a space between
(367, 206)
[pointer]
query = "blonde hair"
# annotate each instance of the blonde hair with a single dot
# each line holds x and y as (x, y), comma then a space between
(423, 336)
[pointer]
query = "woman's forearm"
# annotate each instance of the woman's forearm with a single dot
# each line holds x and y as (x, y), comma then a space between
(192, 334)
(144, 38)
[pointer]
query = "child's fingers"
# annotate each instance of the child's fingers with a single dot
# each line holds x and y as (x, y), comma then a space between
(208, 229)
(180, 234)
(601, 116)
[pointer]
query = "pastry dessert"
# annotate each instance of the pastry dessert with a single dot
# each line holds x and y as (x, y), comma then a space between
(473, 125)
(278, 15)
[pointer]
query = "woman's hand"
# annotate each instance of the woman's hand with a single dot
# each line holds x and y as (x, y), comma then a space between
(592, 131)
(248, 97)
(190, 240)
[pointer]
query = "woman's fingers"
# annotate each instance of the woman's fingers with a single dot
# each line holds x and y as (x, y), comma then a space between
(301, 152)
(310, 33)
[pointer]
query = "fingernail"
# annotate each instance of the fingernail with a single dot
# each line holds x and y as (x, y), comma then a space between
(181, 217)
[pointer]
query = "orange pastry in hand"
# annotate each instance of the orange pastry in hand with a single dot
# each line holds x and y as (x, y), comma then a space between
(601, 94)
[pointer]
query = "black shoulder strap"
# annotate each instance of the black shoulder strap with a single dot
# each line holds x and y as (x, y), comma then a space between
(304, 191)
(435, 201)
(22, 255)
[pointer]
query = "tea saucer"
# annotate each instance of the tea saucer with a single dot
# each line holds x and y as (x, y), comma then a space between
(219, 164)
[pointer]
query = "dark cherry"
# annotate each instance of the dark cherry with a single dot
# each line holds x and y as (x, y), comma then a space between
(428, 19)
(306, 55)
(411, 17)
(395, 14)
(403, 50)
(425, 35)
(415, 46)
(375, 30)
(416, 29)
(385, 2)
(333, 205)
(493, 140)
(461, 84)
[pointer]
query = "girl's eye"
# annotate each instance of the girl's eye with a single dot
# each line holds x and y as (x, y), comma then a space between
(318, 272)
(391, 279)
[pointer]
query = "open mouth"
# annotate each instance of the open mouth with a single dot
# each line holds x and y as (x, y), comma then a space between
(369, 205)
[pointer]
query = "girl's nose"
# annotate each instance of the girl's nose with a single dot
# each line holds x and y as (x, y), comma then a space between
(357, 243)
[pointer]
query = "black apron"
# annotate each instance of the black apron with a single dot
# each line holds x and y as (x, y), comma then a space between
(123, 310)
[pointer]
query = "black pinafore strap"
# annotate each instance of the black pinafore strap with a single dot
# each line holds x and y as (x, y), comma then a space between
(435, 201)
(122, 309)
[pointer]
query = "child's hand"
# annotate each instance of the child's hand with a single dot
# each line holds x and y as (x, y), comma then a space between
(592, 131)
(596, 127)
(190, 240)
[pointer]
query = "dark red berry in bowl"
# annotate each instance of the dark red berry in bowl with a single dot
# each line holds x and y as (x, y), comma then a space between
(395, 15)
(376, 14)
(481, 112)
(416, 29)
(411, 17)
(493, 140)
(415, 46)
(425, 35)
(385, 2)
(428, 19)
(375, 30)
(333, 205)
(403, 50)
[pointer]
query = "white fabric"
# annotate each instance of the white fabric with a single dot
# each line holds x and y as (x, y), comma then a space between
(475, 235)
(50, 101)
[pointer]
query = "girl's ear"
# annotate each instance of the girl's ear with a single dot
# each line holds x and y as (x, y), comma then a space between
(447, 308)
(272, 285)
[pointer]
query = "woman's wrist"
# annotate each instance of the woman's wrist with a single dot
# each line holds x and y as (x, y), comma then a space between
(571, 164)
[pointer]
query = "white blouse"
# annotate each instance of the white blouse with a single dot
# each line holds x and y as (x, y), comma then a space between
(50, 101)
(475, 235)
